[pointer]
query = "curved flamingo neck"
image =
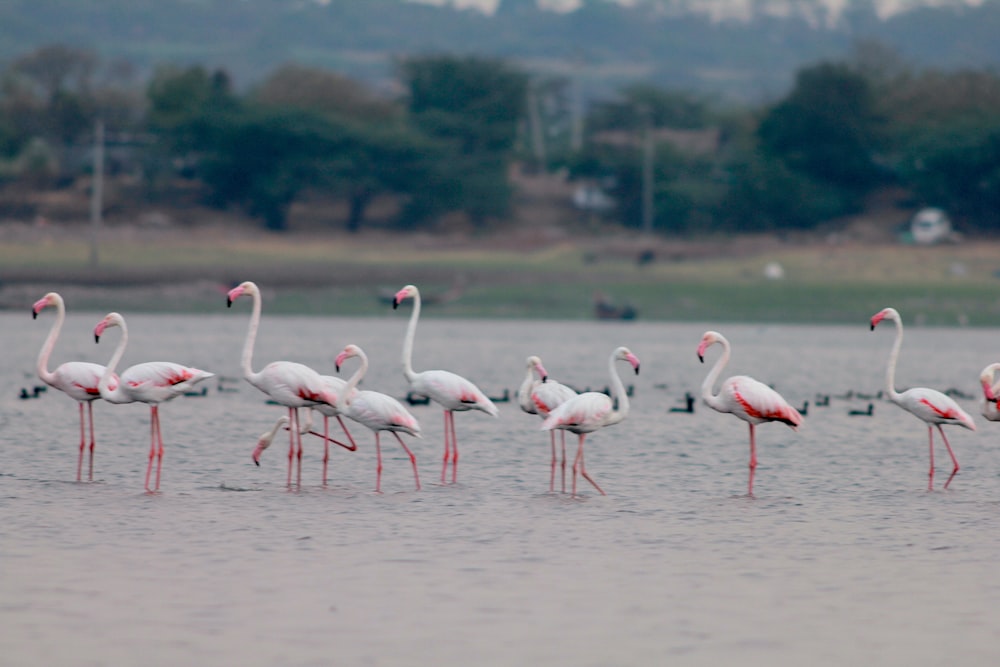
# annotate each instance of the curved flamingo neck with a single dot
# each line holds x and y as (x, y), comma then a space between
(50, 342)
(890, 371)
(355, 378)
(524, 392)
(618, 393)
(710, 398)
(246, 361)
(114, 395)
(411, 331)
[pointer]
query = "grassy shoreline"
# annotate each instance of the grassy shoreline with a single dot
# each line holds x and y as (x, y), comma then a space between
(707, 280)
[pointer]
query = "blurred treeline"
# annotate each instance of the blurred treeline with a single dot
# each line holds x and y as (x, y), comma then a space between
(445, 140)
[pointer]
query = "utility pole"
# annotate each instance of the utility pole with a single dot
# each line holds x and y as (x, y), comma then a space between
(97, 193)
(535, 124)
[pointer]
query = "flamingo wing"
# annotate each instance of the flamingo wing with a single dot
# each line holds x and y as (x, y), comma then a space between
(79, 379)
(156, 381)
(380, 412)
(934, 407)
(293, 385)
(452, 391)
(547, 396)
(581, 414)
(757, 403)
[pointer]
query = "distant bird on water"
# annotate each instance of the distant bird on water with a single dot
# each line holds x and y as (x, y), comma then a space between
(592, 411)
(540, 396)
(929, 405)
(76, 379)
(452, 392)
(752, 401)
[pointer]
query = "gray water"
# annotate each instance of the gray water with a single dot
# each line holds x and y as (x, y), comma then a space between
(843, 557)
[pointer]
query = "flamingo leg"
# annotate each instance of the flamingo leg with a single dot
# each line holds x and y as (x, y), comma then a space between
(578, 463)
(378, 464)
(552, 474)
(454, 450)
(562, 437)
(447, 447)
(930, 475)
(298, 456)
(753, 459)
(354, 445)
(93, 442)
(83, 445)
(152, 444)
(159, 451)
(293, 428)
(952, 454)
(326, 445)
(413, 458)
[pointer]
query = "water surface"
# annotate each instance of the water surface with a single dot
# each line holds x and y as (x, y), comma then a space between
(842, 558)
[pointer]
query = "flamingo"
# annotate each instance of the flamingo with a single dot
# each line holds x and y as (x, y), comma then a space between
(76, 379)
(930, 405)
(452, 392)
(990, 392)
(153, 382)
(752, 401)
(287, 383)
(540, 397)
(593, 410)
(378, 411)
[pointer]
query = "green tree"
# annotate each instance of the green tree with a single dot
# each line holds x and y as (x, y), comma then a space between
(827, 134)
(471, 107)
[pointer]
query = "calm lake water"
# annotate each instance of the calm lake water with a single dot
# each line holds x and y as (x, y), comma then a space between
(843, 558)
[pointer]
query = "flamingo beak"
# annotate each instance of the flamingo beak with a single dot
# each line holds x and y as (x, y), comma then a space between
(545, 378)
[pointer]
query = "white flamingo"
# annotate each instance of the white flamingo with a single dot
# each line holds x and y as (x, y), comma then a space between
(540, 396)
(990, 392)
(153, 382)
(76, 379)
(929, 405)
(593, 410)
(378, 412)
(287, 383)
(752, 401)
(452, 392)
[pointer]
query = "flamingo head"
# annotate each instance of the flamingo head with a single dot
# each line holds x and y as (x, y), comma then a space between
(265, 439)
(625, 354)
(408, 291)
(50, 299)
(238, 291)
(347, 353)
(884, 314)
(708, 339)
(536, 363)
(110, 320)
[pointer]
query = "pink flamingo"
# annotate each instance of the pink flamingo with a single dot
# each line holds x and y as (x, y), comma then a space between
(540, 397)
(76, 379)
(933, 407)
(452, 392)
(153, 382)
(287, 383)
(748, 399)
(593, 410)
(990, 392)
(378, 412)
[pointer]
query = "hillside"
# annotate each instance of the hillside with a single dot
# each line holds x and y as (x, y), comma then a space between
(603, 44)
